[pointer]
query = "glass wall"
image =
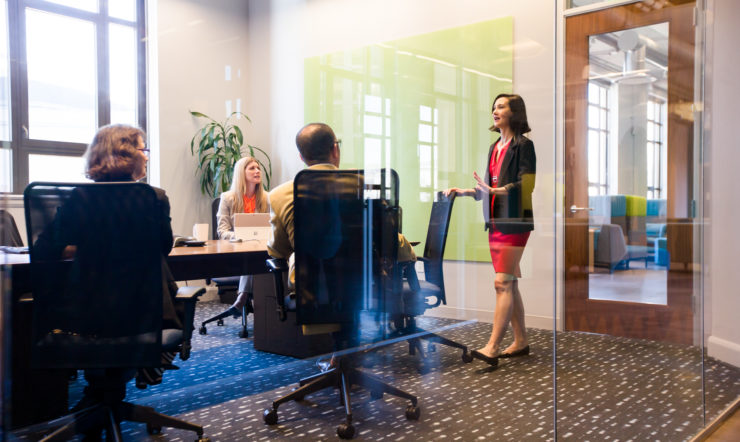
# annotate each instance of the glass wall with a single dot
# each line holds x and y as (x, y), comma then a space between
(602, 305)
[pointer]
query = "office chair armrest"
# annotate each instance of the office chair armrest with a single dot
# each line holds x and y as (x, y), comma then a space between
(278, 267)
(408, 272)
(188, 292)
(188, 296)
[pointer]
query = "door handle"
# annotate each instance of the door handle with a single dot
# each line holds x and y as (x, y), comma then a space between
(574, 209)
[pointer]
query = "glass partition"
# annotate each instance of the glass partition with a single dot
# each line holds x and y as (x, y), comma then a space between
(599, 311)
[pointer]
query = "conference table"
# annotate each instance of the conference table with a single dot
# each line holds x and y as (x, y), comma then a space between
(217, 258)
(31, 389)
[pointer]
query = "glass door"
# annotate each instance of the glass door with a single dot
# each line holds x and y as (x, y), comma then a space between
(630, 248)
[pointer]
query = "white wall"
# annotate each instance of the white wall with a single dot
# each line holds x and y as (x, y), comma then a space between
(284, 32)
(197, 43)
(722, 156)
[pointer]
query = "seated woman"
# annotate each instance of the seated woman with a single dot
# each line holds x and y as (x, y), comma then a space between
(118, 153)
(245, 196)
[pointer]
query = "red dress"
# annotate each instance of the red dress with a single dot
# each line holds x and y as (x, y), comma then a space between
(506, 248)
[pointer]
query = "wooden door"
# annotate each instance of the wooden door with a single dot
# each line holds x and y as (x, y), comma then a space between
(673, 320)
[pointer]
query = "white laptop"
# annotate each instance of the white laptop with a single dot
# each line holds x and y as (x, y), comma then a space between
(252, 226)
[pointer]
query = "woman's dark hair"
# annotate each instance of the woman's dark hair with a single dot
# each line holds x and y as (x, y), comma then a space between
(518, 121)
(113, 154)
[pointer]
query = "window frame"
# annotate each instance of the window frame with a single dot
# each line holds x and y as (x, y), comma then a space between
(655, 189)
(21, 146)
(601, 187)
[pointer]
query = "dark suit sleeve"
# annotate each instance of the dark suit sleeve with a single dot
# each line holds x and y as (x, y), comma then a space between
(165, 233)
(527, 170)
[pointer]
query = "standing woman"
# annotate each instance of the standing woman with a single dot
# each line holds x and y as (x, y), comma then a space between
(506, 191)
(245, 196)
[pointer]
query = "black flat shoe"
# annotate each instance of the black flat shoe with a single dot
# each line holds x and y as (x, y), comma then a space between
(492, 361)
(522, 352)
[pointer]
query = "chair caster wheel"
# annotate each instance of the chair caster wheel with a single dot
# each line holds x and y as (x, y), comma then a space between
(467, 357)
(220, 322)
(346, 431)
(243, 333)
(270, 416)
(153, 429)
(203, 330)
(375, 394)
(413, 412)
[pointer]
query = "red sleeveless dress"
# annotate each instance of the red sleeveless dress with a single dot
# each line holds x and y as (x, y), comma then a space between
(506, 248)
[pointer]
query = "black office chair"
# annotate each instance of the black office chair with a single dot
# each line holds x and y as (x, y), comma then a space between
(99, 307)
(343, 270)
(9, 234)
(418, 296)
(227, 286)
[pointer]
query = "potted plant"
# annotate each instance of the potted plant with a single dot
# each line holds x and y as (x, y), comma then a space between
(219, 147)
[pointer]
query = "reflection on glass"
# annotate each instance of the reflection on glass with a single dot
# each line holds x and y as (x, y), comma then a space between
(62, 89)
(626, 163)
(56, 168)
(87, 5)
(123, 85)
(4, 74)
(123, 9)
(428, 98)
(6, 169)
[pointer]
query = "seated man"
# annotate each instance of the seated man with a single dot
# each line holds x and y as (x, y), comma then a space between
(319, 149)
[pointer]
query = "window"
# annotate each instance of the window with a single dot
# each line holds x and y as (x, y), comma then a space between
(67, 67)
(656, 153)
(598, 136)
(427, 152)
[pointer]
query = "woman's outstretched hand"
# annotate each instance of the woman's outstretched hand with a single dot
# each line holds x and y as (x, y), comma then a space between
(483, 187)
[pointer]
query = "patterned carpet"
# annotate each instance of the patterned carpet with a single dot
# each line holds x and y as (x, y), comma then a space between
(607, 389)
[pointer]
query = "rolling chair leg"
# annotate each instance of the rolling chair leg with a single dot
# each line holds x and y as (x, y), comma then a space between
(328, 378)
(231, 311)
(346, 430)
(155, 421)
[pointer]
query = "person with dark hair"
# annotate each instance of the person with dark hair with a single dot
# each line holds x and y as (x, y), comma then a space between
(506, 191)
(319, 149)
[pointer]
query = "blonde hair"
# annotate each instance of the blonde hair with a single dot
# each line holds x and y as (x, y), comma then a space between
(113, 154)
(239, 187)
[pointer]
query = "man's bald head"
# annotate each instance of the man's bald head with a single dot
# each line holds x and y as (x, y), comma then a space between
(316, 143)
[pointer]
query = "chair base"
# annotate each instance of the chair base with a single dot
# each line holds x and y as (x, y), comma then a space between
(219, 318)
(342, 376)
(415, 343)
(93, 420)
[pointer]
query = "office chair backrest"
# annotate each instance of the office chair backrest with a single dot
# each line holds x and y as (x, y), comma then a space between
(434, 248)
(336, 254)
(214, 217)
(103, 307)
(9, 234)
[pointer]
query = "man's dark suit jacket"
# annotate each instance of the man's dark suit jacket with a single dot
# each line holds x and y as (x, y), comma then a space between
(512, 213)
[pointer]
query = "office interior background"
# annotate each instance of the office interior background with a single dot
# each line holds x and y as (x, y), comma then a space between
(627, 99)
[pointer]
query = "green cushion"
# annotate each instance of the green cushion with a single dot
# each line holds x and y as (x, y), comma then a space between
(636, 205)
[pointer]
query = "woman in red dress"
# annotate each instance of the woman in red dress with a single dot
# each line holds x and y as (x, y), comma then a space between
(506, 191)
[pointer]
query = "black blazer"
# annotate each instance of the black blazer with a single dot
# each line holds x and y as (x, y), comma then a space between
(512, 213)
(51, 243)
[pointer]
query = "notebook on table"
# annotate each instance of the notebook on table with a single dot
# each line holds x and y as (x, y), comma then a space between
(252, 226)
